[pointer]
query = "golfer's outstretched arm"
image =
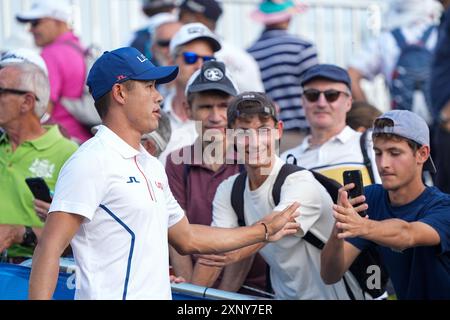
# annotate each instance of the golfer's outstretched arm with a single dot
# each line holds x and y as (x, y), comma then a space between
(59, 229)
(189, 238)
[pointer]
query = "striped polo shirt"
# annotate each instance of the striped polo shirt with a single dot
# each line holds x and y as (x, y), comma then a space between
(282, 59)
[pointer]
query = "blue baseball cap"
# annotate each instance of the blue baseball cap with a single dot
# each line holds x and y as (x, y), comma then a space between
(408, 125)
(326, 71)
(125, 64)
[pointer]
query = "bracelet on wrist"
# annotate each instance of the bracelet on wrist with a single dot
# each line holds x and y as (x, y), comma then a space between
(266, 232)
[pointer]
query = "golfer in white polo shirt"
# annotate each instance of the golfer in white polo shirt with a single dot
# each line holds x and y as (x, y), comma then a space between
(112, 201)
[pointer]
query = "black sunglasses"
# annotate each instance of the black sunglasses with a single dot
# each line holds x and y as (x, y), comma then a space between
(16, 91)
(312, 95)
(163, 42)
(192, 57)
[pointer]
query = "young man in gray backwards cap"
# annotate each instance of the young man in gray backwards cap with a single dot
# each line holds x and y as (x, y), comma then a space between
(407, 221)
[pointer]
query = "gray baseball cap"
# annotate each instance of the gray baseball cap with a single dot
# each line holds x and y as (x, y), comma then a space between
(408, 125)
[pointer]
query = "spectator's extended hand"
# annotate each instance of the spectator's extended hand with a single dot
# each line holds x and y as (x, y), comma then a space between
(283, 223)
(9, 235)
(360, 200)
(348, 221)
(41, 208)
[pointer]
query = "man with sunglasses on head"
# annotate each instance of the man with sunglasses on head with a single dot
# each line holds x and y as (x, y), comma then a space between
(192, 45)
(27, 149)
(241, 64)
(332, 147)
(64, 56)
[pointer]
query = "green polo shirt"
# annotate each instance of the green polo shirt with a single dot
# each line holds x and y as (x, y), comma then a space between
(42, 157)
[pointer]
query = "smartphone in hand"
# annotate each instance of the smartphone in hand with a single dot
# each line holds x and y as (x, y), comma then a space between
(39, 188)
(354, 176)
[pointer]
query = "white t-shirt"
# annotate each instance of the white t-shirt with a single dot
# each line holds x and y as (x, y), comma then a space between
(294, 263)
(341, 152)
(121, 248)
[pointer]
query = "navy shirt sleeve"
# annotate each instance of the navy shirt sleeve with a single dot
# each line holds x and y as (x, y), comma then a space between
(438, 217)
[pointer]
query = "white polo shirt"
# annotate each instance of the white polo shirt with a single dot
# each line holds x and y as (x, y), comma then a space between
(341, 152)
(121, 248)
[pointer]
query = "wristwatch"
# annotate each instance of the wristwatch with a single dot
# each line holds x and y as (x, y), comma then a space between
(29, 238)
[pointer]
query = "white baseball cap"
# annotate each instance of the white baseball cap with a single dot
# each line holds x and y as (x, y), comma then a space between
(59, 10)
(23, 55)
(193, 31)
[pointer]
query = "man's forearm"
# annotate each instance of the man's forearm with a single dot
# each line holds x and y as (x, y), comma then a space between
(332, 259)
(205, 275)
(223, 239)
(44, 274)
(391, 233)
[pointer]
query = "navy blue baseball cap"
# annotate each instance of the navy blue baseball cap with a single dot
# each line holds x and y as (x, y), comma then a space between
(125, 64)
(326, 71)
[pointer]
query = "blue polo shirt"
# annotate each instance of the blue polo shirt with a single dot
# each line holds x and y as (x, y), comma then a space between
(419, 272)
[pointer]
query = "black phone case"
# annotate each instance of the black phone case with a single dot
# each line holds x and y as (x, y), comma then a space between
(39, 188)
(354, 176)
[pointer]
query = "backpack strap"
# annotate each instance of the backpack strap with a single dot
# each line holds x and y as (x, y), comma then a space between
(399, 38)
(237, 197)
(291, 156)
(427, 34)
(367, 162)
(331, 185)
(285, 170)
(401, 41)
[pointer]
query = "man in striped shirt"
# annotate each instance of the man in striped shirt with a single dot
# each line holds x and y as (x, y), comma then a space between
(283, 58)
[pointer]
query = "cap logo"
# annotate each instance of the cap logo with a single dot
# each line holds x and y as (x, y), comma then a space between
(121, 77)
(199, 30)
(142, 58)
(197, 7)
(213, 74)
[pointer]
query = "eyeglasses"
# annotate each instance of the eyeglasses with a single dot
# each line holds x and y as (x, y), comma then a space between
(16, 91)
(35, 23)
(192, 57)
(312, 95)
(163, 42)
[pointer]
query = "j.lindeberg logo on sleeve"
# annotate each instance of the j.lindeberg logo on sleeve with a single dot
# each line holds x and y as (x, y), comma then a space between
(133, 180)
